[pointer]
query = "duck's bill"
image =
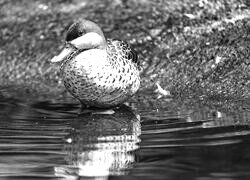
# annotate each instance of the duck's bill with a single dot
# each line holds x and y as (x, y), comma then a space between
(62, 56)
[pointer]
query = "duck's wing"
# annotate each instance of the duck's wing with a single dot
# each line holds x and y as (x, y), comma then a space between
(123, 48)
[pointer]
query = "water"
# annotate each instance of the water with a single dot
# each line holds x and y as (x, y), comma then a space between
(50, 140)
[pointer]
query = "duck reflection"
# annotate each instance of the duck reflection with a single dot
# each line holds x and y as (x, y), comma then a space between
(101, 145)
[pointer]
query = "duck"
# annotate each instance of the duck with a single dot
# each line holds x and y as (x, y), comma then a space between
(99, 72)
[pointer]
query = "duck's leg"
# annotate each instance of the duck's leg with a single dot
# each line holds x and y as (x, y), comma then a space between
(83, 109)
(86, 109)
(96, 111)
(103, 111)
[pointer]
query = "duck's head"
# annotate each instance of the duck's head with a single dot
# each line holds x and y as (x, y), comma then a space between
(82, 35)
(81, 28)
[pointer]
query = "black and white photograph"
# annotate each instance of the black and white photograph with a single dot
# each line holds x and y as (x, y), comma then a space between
(124, 89)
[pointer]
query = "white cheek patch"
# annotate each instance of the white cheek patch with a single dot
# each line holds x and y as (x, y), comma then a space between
(88, 41)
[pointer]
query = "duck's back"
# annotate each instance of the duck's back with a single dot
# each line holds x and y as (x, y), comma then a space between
(103, 78)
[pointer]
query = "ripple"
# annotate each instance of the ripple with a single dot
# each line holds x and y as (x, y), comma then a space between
(50, 140)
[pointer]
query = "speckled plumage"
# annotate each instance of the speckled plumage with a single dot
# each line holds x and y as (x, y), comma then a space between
(102, 77)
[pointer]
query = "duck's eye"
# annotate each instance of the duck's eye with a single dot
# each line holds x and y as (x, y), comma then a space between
(80, 33)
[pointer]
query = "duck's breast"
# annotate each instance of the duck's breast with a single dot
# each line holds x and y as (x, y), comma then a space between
(91, 77)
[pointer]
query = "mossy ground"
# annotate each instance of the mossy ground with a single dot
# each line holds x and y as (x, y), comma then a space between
(194, 49)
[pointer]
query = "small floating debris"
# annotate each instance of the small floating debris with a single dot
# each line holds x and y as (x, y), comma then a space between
(69, 140)
(190, 16)
(162, 92)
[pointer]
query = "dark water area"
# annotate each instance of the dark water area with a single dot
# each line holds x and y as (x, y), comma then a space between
(50, 140)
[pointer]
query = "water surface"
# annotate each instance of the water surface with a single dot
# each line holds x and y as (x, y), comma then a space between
(50, 140)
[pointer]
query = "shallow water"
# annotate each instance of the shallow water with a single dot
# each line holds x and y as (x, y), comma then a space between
(50, 140)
